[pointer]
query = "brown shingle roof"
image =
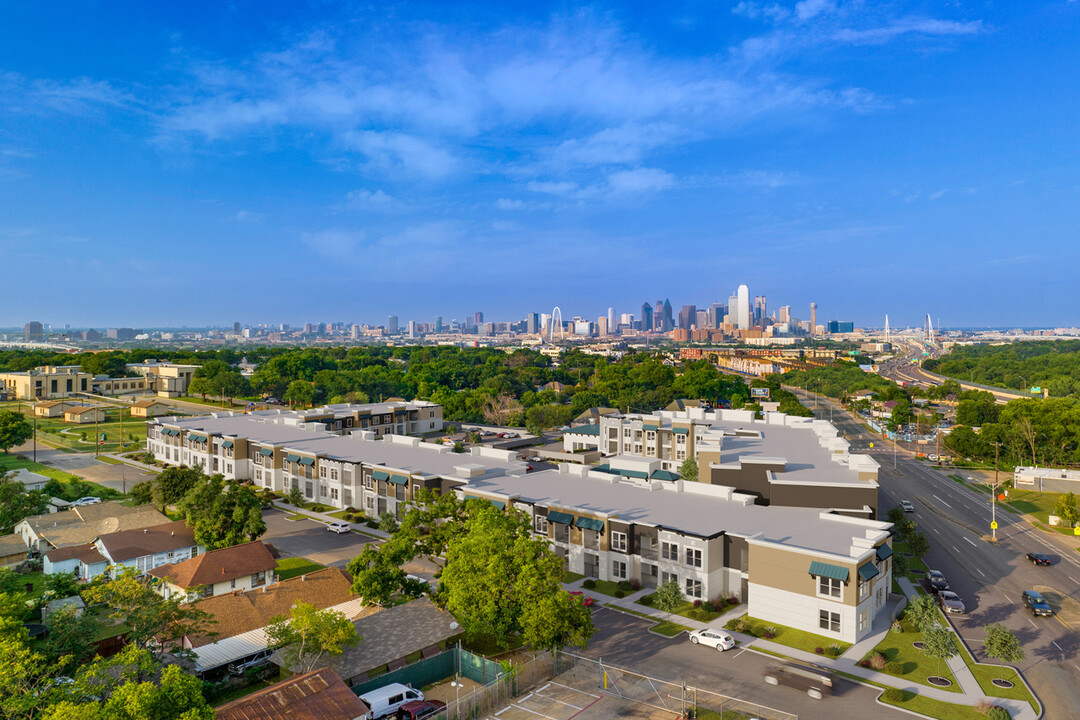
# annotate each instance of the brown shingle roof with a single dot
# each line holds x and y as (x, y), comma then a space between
(317, 695)
(80, 410)
(85, 553)
(219, 565)
(86, 523)
(130, 544)
(147, 403)
(12, 545)
(240, 612)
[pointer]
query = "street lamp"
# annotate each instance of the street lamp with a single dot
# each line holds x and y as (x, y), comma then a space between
(457, 700)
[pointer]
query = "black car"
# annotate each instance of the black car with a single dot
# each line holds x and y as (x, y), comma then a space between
(1038, 559)
(937, 581)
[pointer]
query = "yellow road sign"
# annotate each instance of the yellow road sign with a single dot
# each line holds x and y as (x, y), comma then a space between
(993, 525)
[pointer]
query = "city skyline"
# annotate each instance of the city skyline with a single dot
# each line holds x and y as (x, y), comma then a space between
(191, 165)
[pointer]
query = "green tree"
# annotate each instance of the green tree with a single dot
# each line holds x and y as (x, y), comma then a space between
(938, 642)
(142, 493)
(545, 416)
(1066, 509)
(500, 580)
(308, 634)
(26, 679)
(918, 544)
(157, 625)
(61, 585)
(1002, 644)
(689, 470)
(172, 484)
(295, 496)
(668, 597)
(299, 392)
(70, 641)
(14, 430)
(388, 523)
(222, 512)
(922, 612)
(16, 503)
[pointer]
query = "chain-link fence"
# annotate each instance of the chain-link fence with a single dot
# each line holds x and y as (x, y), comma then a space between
(518, 676)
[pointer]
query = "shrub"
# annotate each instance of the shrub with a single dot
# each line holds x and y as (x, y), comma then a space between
(350, 509)
(819, 650)
(372, 524)
(697, 603)
(635, 585)
(833, 650)
(758, 632)
(983, 706)
(893, 695)
(894, 668)
(768, 634)
(646, 600)
(732, 600)
(707, 606)
(589, 584)
(897, 626)
(625, 586)
(998, 713)
(878, 661)
(619, 593)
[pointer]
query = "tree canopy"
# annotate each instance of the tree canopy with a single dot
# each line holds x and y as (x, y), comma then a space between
(15, 429)
(308, 634)
(17, 503)
(222, 513)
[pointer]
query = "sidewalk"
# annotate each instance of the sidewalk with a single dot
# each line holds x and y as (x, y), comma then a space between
(629, 602)
(324, 517)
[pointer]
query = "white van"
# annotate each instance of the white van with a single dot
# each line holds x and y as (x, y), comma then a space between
(387, 699)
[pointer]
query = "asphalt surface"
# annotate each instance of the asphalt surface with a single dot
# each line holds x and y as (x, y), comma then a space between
(989, 577)
(623, 641)
(310, 539)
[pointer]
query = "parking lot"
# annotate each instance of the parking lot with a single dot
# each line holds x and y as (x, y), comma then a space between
(310, 539)
(574, 695)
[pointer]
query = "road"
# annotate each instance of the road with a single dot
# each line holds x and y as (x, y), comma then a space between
(623, 641)
(906, 367)
(989, 577)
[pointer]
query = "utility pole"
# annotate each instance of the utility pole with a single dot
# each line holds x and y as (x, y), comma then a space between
(993, 494)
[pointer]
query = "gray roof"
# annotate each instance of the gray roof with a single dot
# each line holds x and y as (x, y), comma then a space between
(696, 513)
(392, 634)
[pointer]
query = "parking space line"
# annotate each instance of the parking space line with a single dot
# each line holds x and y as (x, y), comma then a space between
(563, 702)
(942, 501)
(1033, 623)
(583, 692)
(544, 688)
(519, 707)
(1057, 646)
(502, 711)
(1006, 597)
(970, 541)
(981, 572)
(956, 548)
(1073, 579)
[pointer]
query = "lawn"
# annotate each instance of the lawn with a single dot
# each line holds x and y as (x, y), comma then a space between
(917, 667)
(14, 462)
(923, 705)
(570, 577)
(687, 609)
(606, 587)
(340, 515)
(110, 461)
(985, 673)
(666, 627)
(913, 563)
(791, 637)
(296, 566)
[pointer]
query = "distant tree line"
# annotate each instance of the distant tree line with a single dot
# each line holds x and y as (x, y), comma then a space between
(1054, 365)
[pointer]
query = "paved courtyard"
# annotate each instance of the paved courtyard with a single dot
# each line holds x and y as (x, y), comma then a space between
(310, 539)
(573, 695)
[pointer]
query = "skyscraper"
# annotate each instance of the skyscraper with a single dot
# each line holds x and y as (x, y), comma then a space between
(717, 311)
(611, 324)
(813, 318)
(478, 319)
(760, 314)
(532, 323)
(785, 314)
(743, 314)
(33, 330)
(392, 325)
(669, 318)
(687, 316)
(658, 316)
(438, 324)
(646, 317)
(412, 328)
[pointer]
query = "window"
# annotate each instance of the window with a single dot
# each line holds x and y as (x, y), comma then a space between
(829, 621)
(618, 569)
(333, 493)
(322, 490)
(864, 591)
(540, 524)
(669, 551)
(369, 502)
(618, 541)
(829, 587)
(693, 557)
(693, 587)
(322, 471)
(666, 577)
(333, 474)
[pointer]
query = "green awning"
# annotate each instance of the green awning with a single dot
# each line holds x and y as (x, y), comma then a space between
(639, 474)
(884, 551)
(197, 438)
(307, 461)
(380, 475)
(291, 457)
(830, 571)
(585, 430)
(399, 479)
(681, 431)
(664, 475)
(650, 426)
(560, 517)
(868, 571)
(499, 504)
(227, 444)
(267, 452)
(604, 468)
(590, 523)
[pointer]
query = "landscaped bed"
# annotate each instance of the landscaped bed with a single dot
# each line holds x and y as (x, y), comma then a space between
(986, 674)
(791, 637)
(903, 660)
(702, 612)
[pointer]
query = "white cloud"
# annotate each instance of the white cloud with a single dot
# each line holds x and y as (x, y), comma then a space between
(564, 187)
(807, 9)
(938, 195)
(640, 180)
(507, 204)
(392, 151)
(334, 244)
(907, 26)
(247, 216)
(755, 10)
(363, 199)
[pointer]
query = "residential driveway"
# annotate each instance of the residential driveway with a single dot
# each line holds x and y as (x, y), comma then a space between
(622, 640)
(310, 539)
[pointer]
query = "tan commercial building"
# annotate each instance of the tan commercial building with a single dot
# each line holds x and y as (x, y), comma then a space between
(149, 409)
(49, 382)
(164, 378)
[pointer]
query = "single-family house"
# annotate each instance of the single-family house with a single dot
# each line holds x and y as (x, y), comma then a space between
(241, 567)
(84, 560)
(12, 550)
(150, 547)
(83, 415)
(149, 409)
(83, 524)
(316, 695)
(30, 480)
(54, 408)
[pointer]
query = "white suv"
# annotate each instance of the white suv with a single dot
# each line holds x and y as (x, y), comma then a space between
(715, 638)
(338, 526)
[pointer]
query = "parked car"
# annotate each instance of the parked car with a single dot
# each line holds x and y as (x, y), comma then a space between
(388, 699)
(816, 682)
(906, 506)
(420, 709)
(535, 458)
(338, 526)
(950, 602)
(713, 638)
(932, 457)
(512, 435)
(586, 599)
(260, 658)
(1037, 603)
(1038, 558)
(937, 581)
(86, 501)
(528, 468)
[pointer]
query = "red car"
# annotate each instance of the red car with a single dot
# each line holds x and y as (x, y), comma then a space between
(420, 709)
(588, 601)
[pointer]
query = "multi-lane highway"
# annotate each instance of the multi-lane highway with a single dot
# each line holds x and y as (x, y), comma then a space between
(988, 576)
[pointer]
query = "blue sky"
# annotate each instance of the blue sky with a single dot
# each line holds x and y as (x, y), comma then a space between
(192, 163)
